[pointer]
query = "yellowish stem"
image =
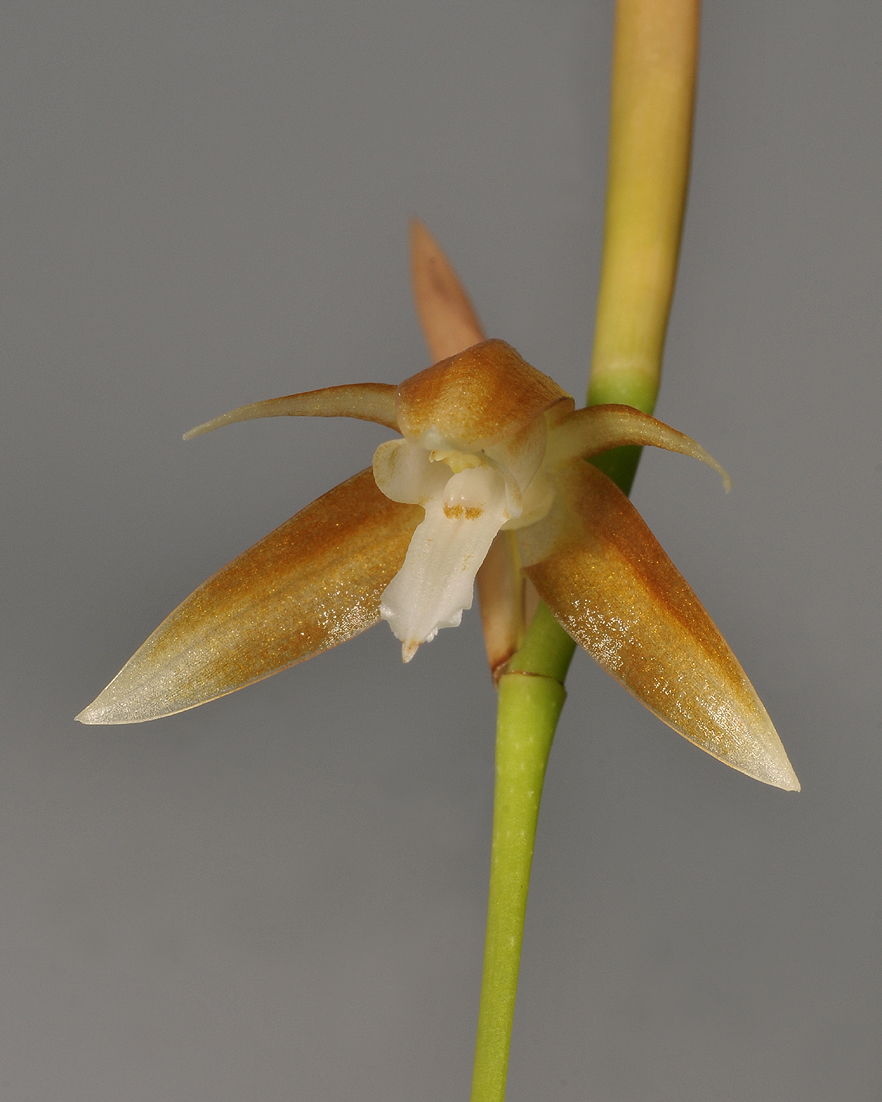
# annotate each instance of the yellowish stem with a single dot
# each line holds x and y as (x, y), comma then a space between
(655, 57)
(529, 706)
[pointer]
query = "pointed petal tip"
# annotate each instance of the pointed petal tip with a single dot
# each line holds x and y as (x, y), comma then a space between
(757, 750)
(197, 431)
(409, 649)
(778, 772)
(129, 699)
(446, 314)
(92, 717)
(417, 229)
(113, 714)
(99, 711)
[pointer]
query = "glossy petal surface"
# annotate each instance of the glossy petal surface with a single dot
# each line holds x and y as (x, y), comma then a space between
(612, 587)
(312, 583)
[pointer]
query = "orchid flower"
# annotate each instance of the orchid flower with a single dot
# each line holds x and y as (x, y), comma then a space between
(487, 445)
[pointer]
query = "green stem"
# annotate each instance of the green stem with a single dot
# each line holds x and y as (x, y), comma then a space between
(547, 650)
(654, 66)
(529, 706)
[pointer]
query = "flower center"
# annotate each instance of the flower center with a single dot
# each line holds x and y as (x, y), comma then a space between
(456, 461)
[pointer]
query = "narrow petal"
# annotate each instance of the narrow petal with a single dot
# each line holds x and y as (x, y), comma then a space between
(612, 587)
(501, 586)
(365, 401)
(446, 314)
(436, 583)
(587, 432)
(312, 583)
(475, 399)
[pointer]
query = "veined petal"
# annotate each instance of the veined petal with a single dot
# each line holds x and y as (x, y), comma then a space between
(312, 583)
(436, 583)
(609, 583)
(364, 401)
(587, 432)
(474, 400)
(446, 314)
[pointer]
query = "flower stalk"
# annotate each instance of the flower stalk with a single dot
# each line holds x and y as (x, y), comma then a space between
(529, 707)
(655, 56)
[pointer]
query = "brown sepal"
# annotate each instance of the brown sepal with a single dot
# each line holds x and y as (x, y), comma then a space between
(312, 583)
(609, 583)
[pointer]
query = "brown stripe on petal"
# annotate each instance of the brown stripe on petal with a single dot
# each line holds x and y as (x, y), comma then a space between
(609, 583)
(476, 398)
(312, 583)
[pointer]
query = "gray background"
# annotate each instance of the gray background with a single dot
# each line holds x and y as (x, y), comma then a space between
(281, 895)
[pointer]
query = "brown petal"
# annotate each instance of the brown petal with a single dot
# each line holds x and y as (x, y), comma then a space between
(612, 587)
(312, 583)
(447, 317)
(365, 401)
(587, 432)
(475, 399)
